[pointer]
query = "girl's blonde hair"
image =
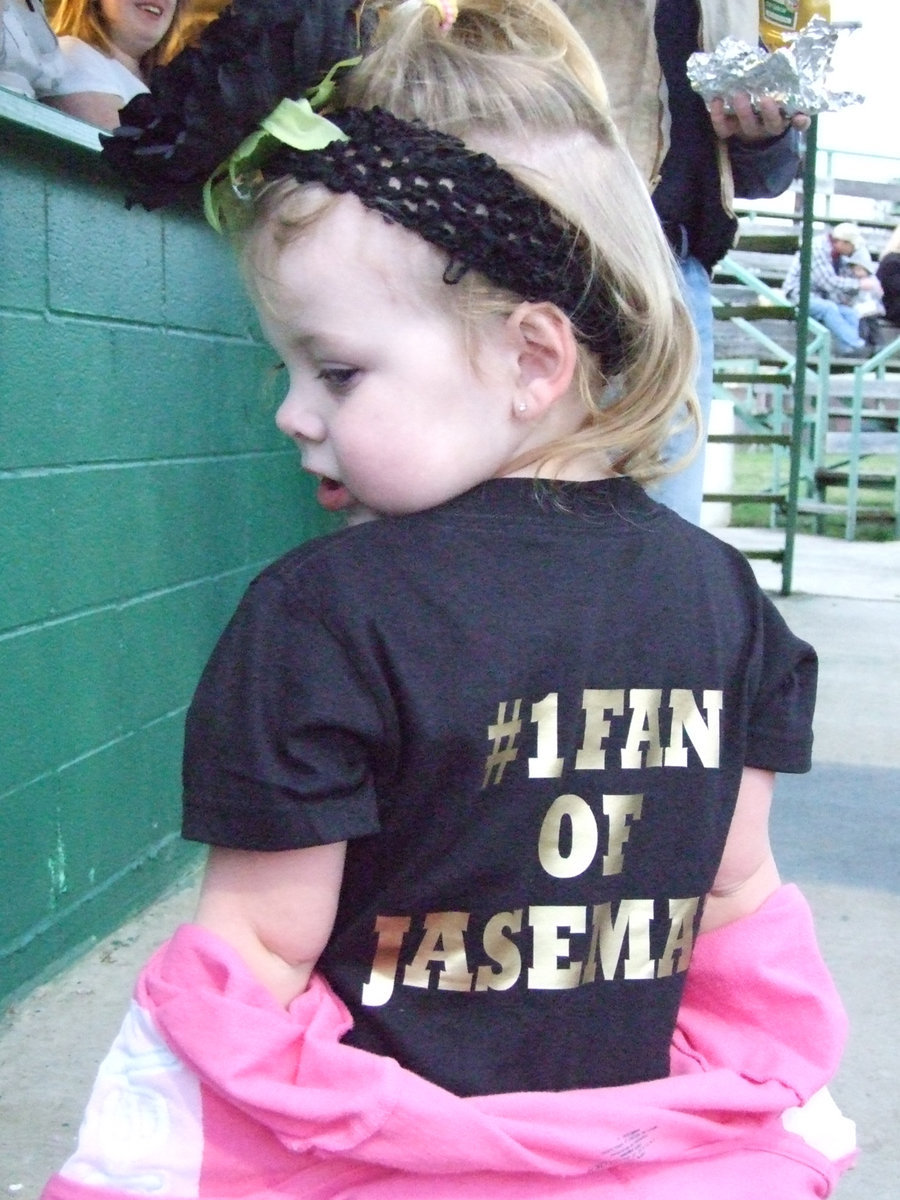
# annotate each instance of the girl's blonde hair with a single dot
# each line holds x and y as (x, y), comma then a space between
(84, 19)
(514, 79)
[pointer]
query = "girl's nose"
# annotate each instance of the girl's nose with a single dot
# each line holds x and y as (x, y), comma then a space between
(299, 420)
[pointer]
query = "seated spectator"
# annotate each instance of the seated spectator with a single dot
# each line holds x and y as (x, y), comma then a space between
(110, 48)
(833, 289)
(869, 306)
(889, 277)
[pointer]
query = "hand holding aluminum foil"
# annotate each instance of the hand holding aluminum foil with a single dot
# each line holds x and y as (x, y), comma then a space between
(795, 75)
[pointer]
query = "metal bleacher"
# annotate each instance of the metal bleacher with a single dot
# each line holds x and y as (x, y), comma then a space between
(822, 419)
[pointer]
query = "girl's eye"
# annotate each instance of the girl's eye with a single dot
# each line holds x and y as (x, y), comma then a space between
(338, 379)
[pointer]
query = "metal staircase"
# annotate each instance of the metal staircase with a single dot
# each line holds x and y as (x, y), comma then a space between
(822, 417)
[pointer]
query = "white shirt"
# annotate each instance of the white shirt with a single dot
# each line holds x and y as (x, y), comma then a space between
(90, 70)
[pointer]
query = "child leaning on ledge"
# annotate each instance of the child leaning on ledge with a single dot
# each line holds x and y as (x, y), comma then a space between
(109, 49)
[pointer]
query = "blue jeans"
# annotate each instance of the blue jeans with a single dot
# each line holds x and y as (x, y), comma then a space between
(840, 320)
(683, 491)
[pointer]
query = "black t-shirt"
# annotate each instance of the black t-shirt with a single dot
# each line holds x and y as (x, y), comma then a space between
(527, 710)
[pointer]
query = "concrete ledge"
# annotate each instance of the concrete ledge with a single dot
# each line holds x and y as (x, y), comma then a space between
(40, 117)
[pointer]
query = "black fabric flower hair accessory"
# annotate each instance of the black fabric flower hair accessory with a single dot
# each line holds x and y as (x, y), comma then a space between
(212, 95)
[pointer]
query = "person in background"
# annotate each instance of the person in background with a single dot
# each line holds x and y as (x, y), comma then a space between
(30, 59)
(833, 288)
(695, 161)
(110, 47)
(889, 277)
(869, 304)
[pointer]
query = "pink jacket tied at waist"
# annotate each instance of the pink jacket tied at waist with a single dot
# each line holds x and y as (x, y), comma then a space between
(214, 1091)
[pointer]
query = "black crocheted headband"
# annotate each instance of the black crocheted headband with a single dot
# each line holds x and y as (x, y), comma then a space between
(464, 203)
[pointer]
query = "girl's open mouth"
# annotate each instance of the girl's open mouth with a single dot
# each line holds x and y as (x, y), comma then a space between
(333, 496)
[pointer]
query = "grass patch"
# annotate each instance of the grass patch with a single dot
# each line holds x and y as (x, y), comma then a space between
(753, 472)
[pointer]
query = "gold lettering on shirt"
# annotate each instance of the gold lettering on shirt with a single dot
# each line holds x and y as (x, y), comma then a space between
(681, 936)
(643, 746)
(597, 703)
(506, 958)
(607, 941)
(617, 945)
(502, 735)
(571, 816)
(380, 985)
(546, 764)
(546, 921)
(643, 730)
(444, 944)
(687, 719)
(621, 811)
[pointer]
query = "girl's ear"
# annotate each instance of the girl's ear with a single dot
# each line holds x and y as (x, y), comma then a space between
(547, 356)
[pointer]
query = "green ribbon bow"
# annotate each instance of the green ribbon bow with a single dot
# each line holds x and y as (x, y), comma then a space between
(230, 189)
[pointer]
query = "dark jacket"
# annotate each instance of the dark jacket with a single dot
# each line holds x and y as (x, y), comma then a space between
(889, 276)
(689, 192)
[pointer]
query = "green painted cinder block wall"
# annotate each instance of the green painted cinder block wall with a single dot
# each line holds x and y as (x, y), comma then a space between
(142, 485)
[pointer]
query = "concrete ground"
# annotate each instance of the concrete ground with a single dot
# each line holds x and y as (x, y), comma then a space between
(835, 833)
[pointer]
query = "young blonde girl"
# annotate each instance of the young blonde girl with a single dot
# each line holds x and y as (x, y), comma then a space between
(477, 790)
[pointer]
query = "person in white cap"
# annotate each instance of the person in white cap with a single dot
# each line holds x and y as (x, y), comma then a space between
(834, 288)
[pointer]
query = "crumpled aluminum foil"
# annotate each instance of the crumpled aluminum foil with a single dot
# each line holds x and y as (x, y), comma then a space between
(796, 75)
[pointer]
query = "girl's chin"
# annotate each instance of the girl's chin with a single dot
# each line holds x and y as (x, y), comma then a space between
(359, 514)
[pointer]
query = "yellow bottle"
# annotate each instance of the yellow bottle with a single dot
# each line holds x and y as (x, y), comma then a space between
(780, 18)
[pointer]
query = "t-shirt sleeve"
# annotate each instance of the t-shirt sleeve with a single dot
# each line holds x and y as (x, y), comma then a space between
(783, 676)
(86, 69)
(764, 169)
(286, 735)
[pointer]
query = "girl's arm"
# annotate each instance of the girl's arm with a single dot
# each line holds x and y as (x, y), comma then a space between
(747, 874)
(276, 908)
(97, 108)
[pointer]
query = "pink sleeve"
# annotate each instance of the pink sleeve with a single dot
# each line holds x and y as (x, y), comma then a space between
(281, 1098)
(760, 1030)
